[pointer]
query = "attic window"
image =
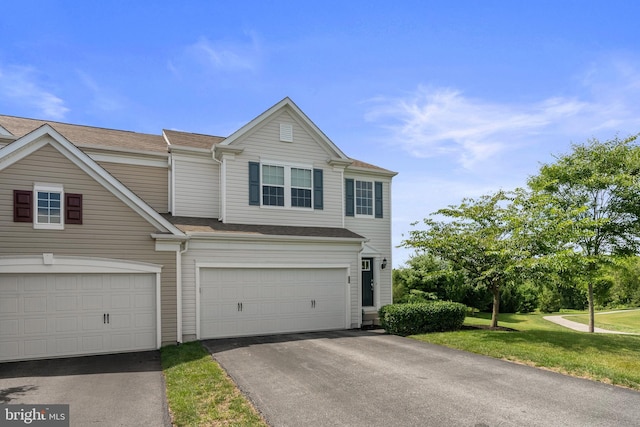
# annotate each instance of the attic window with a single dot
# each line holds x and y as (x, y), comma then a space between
(286, 132)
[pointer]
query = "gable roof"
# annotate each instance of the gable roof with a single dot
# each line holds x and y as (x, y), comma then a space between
(36, 139)
(286, 103)
(127, 141)
(88, 136)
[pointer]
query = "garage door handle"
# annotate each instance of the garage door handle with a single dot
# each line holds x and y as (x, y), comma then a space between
(107, 317)
(104, 318)
(239, 306)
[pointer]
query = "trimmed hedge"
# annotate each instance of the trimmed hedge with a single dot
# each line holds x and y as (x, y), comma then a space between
(420, 318)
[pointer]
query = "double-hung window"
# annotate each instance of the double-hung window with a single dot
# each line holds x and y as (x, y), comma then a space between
(287, 186)
(273, 185)
(364, 198)
(301, 188)
(49, 206)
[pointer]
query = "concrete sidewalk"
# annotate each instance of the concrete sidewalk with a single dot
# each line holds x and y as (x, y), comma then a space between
(562, 321)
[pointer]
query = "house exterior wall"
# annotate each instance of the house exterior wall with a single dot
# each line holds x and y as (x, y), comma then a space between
(263, 144)
(196, 186)
(378, 234)
(264, 252)
(110, 228)
(150, 183)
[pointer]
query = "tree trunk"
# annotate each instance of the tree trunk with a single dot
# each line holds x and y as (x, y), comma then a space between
(496, 306)
(591, 310)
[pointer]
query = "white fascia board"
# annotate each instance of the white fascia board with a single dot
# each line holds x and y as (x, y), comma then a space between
(69, 264)
(270, 265)
(359, 171)
(37, 139)
(285, 103)
(160, 161)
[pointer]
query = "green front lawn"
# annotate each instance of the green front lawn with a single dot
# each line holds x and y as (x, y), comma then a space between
(538, 342)
(200, 393)
(623, 321)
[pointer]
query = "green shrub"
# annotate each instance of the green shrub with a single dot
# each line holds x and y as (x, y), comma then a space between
(420, 318)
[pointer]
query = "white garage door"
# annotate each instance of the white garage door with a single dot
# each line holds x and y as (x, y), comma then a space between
(50, 315)
(258, 301)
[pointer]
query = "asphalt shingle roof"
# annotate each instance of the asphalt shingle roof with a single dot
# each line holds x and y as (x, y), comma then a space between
(211, 225)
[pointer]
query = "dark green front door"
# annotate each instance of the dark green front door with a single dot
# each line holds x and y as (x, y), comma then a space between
(367, 282)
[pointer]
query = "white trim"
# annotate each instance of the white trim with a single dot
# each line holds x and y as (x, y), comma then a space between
(222, 235)
(201, 265)
(5, 132)
(50, 264)
(69, 264)
(287, 166)
(37, 139)
(124, 159)
(47, 188)
(285, 103)
(179, 296)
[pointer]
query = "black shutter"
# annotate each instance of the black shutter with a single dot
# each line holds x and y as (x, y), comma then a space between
(349, 197)
(254, 183)
(73, 208)
(22, 206)
(318, 199)
(378, 199)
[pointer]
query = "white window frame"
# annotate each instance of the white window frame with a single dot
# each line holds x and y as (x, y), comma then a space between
(287, 184)
(48, 188)
(355, 198)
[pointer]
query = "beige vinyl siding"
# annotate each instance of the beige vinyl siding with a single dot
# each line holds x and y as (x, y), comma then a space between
(110, 228)
(197, 186)
(378, 233)
(271, 253)
(263, 144)
(150, 183)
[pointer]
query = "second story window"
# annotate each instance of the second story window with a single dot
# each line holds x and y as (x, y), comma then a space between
(49, 207)
(285, 185)
(364, 198)
(301, 188)
(272, 185)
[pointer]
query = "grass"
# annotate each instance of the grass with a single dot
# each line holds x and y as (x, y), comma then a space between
(622, 321)
(536, 342)
(200, 393)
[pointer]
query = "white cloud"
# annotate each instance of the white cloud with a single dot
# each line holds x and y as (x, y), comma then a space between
(102, 99)
(220, 55)
(436, 121)
(21, 85)
(442, 121)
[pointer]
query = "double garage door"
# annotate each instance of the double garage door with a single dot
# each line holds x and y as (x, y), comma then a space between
(259, 301)
(52, 315)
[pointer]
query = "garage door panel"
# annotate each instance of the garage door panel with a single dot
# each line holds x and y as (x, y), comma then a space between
(273, 300)
(48, 315)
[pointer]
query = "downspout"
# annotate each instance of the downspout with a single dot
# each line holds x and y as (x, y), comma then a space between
(179, 254)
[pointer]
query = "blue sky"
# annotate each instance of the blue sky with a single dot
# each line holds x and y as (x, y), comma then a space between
(462, 98)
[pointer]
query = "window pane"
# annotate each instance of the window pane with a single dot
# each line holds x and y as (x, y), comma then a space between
(272, 175)
(272, 196)
(364, 198)
(300, 198)
(49, 207)
(301, 178)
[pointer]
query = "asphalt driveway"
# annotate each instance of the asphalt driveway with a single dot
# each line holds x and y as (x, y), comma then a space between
(358, 378)
(111, 390)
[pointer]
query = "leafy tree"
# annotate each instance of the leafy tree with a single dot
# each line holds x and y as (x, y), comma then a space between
(597, 185)
(482, 238)
(426, 274)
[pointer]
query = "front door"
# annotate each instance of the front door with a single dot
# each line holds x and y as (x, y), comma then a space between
(367, 282)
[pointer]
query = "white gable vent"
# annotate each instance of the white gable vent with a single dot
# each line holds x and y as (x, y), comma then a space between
(286, 132)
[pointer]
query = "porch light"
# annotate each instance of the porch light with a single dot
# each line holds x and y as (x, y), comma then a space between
(384, 264)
